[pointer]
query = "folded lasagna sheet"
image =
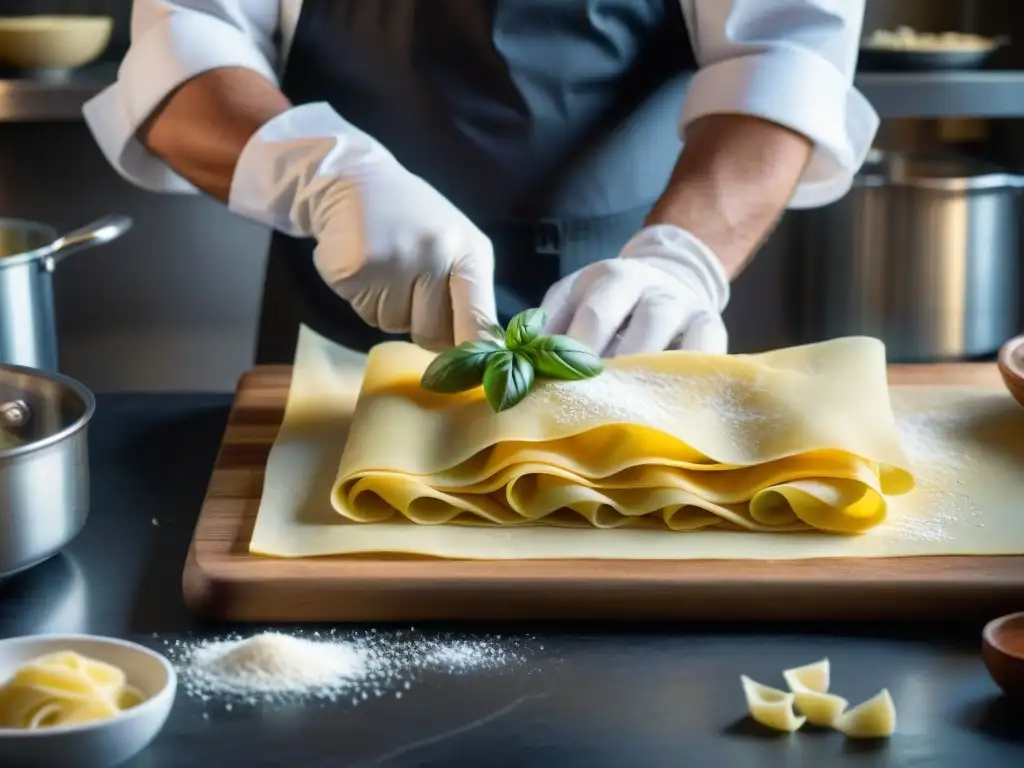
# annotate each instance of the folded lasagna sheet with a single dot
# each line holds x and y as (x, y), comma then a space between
(796, 439)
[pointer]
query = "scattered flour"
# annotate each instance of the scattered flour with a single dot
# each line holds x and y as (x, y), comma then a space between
(926, 439)
(654, 399)
(939, 468)
(277, 667)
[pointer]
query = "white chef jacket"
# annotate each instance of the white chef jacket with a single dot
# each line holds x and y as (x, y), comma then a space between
(788, 61)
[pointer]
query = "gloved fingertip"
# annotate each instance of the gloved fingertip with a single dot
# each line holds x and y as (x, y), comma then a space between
(556, 305)
(706, 333)
(474, 308)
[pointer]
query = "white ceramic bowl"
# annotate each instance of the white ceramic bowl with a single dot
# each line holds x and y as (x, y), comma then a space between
(103, 743)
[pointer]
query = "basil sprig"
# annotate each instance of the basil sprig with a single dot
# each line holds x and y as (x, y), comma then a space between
(525, 327)
(507, 380)
(460, 368)
(509, 365)
(562, 357)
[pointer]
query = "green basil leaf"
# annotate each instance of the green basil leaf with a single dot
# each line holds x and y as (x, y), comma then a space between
(525, 327)
(507, 380)
(460, 368)
(562, 357)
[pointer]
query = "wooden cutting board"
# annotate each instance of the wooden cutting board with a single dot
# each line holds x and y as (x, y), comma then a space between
(222, 581)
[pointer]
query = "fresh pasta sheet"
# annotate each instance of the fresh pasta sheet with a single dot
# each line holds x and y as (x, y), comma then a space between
(792, 440)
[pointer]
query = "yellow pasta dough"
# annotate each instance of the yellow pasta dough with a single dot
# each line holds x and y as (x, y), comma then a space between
(64, 688)
(873, 719)
(791, 440)
(809, 685)
(770, 706)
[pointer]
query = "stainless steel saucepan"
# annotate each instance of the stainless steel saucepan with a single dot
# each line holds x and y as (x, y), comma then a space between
(29, 253)
(923, 254)
(44, 464)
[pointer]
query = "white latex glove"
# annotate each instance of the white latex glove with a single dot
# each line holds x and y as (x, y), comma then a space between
(404, 257)
(666, 290)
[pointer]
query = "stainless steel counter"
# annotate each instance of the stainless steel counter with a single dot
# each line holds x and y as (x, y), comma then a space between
(998, 94)
(25, 100)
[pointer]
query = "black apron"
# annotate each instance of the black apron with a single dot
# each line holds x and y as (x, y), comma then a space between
(552, 125)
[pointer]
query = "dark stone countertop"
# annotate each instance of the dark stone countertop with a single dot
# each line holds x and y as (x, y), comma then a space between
(582, 695)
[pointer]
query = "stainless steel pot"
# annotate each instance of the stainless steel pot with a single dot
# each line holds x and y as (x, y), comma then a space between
(29, 253)
(44, 464)
(922, 253)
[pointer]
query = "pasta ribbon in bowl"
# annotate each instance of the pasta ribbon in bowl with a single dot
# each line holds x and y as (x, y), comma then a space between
(80, 700)
(64, 688)
(792, 440)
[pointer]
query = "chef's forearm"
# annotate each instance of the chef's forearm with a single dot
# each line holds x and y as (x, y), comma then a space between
(732, 182)
(202, 128)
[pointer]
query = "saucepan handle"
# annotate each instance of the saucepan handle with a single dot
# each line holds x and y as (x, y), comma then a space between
(99, 232)
(15, 414)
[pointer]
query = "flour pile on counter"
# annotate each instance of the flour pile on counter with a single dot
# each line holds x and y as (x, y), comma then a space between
(275, 663)
(326, 666)
(797, 439)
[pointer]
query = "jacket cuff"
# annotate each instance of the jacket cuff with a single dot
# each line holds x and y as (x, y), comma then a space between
(801, 91)
(163, 59)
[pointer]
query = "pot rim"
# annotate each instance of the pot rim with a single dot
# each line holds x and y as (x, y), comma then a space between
(24, 257)
(80, 390)
(886, 168)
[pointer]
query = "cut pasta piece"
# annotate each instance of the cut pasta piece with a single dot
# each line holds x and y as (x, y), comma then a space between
(770, 706)
(810, 677)
(809, 685)
(873, 719)
(820, 709)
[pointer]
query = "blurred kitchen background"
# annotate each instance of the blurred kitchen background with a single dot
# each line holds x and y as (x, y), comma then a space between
(173, 305)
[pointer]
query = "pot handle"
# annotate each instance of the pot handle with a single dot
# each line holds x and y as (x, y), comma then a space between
(99, 232)
(15, 414)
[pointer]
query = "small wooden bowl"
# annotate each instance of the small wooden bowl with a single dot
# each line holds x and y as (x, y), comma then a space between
(1002, 650)
(1011, 366)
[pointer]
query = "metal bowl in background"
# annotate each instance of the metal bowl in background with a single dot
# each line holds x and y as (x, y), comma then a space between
(44, 464)
(922, 254)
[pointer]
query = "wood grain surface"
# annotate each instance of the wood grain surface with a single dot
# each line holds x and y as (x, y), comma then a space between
(222, 581)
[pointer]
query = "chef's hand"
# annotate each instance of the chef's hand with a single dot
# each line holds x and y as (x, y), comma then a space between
(406, 259)
(666, 290)
(420, 266)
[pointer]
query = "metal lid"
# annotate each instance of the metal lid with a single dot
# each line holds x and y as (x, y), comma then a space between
(39, 408)
(942, 171)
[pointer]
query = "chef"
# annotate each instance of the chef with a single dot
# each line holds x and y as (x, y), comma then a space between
(431, 167)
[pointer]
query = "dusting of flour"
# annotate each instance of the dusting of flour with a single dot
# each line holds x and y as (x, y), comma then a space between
(655, 399)
(939, 469)
(327, 666)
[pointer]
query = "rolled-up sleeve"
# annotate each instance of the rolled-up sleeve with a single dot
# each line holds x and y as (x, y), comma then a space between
(791, 62)
(171, 43)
